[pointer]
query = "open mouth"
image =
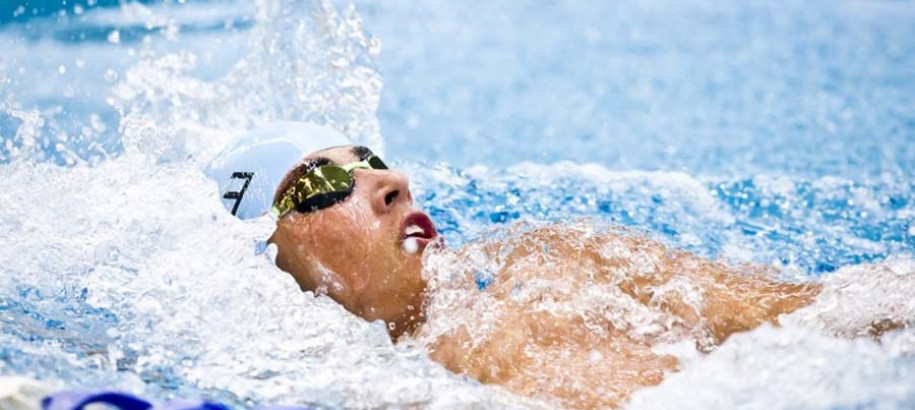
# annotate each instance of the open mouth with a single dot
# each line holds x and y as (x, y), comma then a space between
(418, 226)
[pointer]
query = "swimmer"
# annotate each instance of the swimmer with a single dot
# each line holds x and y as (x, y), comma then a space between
(572, 315)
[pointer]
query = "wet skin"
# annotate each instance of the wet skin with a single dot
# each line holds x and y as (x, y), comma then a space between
(554, 341)
(353, 251)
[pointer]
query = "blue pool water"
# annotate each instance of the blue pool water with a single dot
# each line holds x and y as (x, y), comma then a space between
(773, 132)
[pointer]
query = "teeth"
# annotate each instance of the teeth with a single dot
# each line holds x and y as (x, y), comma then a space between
(413, 229)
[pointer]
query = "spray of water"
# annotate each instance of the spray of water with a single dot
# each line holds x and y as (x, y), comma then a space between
(124, 271)
(306, 62)
(129, 274)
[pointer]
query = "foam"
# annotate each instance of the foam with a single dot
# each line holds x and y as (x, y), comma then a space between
(166, 286)
(789, 368)
(854, 298)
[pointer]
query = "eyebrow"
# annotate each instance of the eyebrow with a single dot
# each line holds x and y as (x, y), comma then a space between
(310, 164)
(363, 153)
(359, 151)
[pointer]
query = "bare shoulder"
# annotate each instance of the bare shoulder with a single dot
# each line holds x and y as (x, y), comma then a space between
(600, 299)
(545, 317)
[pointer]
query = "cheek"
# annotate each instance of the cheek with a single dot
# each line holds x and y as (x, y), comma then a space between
(348, 236)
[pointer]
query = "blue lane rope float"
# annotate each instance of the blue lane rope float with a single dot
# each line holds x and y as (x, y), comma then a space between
(73, 400)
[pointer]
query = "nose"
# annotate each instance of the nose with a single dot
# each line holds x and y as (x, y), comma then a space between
(387, 189)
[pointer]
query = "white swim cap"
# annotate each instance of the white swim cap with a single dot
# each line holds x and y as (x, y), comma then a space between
(251, 168)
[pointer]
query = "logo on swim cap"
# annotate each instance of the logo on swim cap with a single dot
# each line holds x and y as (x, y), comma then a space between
(251, 168)
(238, 195)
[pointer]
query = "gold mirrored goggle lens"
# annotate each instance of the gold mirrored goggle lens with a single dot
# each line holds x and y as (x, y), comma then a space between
(324, 179)
(323, 187)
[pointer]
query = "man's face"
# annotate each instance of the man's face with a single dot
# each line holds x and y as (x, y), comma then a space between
(354, 250)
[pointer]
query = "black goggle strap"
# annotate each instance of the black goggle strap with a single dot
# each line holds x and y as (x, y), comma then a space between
(322, 180)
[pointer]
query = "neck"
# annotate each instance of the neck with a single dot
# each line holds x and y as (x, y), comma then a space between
(407, 324)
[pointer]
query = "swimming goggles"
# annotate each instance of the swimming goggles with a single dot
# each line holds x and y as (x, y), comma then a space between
(322, 187)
